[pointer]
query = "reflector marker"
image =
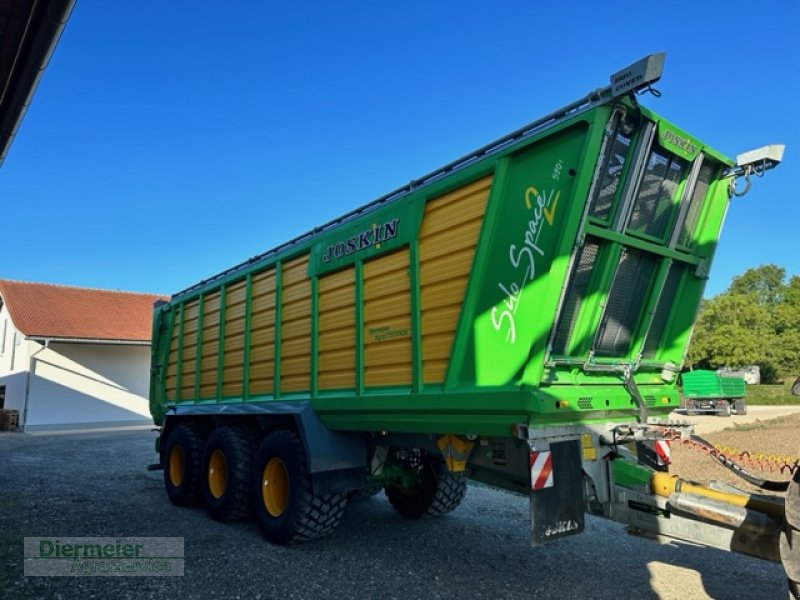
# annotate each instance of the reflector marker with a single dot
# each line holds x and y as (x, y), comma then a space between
(664, 452)
(541, 470)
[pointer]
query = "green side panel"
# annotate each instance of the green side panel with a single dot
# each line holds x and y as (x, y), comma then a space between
(163, 318)
(701, 384)
(733, 387)
(532, 209)
(709, 384)
(630, 475)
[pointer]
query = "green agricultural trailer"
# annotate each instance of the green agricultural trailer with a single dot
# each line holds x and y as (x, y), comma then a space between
(714, 392)
(517, 317)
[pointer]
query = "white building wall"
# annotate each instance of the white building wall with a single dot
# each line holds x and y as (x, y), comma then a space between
(126, 366)
(14, 348)
(74, 384)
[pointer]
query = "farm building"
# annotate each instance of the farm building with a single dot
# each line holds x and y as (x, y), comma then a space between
(74, 357)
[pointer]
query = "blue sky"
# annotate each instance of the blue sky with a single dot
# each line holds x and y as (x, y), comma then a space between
(168, 141)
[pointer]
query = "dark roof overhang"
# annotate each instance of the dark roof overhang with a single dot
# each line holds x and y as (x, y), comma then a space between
(29, 32)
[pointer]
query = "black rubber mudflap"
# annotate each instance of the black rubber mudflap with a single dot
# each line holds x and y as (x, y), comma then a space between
(556, 498)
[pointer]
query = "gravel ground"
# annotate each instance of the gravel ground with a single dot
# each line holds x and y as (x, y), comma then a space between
(96, 484)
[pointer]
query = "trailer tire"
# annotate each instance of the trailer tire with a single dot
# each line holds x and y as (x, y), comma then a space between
(793, 501)
(285, 505)
(450, 492)
(740, 406)
(438, 492)
(790, 537)
(227, 462)
(181, 461)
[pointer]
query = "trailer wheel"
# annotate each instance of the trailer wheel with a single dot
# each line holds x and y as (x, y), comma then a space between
(227, 460)
(790, 537)
(740, 406)
(285, 505)
(181, 461)
(435, 491)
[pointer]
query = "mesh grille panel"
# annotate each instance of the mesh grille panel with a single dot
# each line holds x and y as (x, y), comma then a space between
(612, 170)
(696, 203)
(665, 303)
(581, 274)
(652, 208)
(625, 302)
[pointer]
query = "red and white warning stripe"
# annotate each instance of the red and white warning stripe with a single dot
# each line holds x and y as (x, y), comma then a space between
(664, 452)
(541, 470)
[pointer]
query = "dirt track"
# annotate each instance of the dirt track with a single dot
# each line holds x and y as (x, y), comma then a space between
(705, 424)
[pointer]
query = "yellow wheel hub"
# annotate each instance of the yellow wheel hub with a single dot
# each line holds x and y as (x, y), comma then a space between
(217, 474)
(177, 465)
(275, 487)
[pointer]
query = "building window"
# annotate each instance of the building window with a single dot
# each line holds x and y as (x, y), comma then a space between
(2, 397)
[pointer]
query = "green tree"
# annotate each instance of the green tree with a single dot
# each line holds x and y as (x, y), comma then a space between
(765, 282)
(756, 321)
(788, 329)
(731, 330)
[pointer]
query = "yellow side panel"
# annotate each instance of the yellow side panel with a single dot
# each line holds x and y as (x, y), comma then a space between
(447, 243)
(262, 333)
(172, 364)
(233, 358)
(191, 315)
(296, 326)
(387, 320)
(210, 346)
(337, 330)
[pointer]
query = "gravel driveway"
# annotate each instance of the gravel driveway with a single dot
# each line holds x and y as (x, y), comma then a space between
(96, 484)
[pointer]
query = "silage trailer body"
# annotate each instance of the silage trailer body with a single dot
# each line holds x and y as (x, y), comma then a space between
(516, 316)
(713, 391)
(476, 301)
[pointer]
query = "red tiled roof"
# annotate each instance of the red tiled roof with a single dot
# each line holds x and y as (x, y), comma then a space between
(57, 311)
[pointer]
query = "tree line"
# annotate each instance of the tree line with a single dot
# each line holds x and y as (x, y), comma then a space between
(756, 321)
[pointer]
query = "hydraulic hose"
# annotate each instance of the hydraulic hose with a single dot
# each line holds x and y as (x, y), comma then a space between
(764, 484)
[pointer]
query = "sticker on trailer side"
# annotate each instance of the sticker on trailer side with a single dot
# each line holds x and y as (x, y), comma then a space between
(556, 492)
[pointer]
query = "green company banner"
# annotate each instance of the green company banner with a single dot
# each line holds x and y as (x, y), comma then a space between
(375, 233)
